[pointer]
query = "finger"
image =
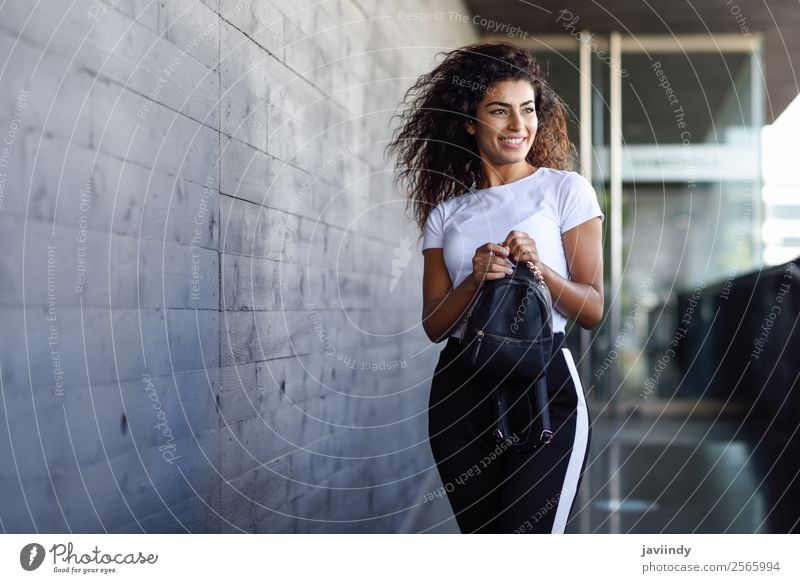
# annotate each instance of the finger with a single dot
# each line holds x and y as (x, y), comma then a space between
(484, 267)
(523, 252)
(493, 276)
(500, 268)
(514, 236)
(491, 266)
(515, 248)
(493, 247)
(514, 251)
(501, 263)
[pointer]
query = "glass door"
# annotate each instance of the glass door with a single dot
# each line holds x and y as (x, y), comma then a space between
(676, 158)
(668, 131)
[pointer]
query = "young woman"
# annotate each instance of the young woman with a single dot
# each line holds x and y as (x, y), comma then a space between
(483, 146)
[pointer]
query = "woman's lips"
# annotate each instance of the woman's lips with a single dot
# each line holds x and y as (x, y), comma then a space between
(513, 143)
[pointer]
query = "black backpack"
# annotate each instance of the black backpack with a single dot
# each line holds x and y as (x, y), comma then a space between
(508, 338)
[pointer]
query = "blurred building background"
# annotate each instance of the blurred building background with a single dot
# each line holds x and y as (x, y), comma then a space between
(211, 293)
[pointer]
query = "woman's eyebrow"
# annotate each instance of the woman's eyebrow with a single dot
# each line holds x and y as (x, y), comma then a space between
(507, 104)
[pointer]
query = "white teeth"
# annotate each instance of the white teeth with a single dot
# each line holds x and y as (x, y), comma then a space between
(513, 141)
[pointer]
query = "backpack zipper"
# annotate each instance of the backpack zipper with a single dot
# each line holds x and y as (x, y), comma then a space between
(504, 339)
(509, 340)
(479, 333)
(469, 314)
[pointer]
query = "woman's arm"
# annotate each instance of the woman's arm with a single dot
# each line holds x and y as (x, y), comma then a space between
(444, 306)
(581, 298)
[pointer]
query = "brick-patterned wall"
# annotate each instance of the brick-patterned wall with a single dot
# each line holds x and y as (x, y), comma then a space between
(200, 248)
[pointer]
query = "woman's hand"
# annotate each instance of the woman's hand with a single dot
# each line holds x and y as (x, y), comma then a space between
(489, 263)
(522, 248)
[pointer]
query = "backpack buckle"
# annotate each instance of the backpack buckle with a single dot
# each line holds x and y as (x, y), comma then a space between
(501, 437)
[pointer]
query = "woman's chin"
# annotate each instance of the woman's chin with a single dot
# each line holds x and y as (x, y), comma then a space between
(504, 159)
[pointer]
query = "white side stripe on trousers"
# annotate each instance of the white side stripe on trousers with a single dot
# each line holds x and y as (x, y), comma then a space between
(576, 457)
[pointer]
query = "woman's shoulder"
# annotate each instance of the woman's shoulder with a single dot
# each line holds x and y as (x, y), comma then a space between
(566, 178)
(570, 185)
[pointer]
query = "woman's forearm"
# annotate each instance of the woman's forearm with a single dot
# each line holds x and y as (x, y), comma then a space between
(579, 302)
(440, 316)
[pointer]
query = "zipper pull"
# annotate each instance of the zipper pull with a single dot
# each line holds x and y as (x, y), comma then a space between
(479, 333)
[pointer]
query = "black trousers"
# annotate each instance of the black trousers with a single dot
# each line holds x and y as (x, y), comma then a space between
(492, 488)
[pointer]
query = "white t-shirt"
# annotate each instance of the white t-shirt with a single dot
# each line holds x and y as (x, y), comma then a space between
(544, 205)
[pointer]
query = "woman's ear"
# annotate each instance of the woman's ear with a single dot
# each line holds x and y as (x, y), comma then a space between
(470, 125)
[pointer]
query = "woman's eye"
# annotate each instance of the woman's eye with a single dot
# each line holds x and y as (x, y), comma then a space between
(527, 110)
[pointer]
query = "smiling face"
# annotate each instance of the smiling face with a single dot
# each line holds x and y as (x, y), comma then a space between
(505, 122)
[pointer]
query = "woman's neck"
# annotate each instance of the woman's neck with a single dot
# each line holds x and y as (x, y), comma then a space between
(492, 176)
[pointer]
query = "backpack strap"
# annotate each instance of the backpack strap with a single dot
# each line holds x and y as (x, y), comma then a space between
(539, 430)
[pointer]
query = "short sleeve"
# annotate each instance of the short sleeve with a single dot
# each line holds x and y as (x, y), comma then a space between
(433, 235)
(577, 202)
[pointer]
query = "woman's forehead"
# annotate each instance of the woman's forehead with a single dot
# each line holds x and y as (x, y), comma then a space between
(511, 92)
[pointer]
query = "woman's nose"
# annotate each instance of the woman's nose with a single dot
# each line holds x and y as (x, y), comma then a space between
(515, 121)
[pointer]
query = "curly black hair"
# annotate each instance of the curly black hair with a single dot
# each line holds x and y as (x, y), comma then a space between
(438, 159)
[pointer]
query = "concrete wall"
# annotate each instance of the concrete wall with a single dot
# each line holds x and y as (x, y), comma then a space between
(200, 248)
